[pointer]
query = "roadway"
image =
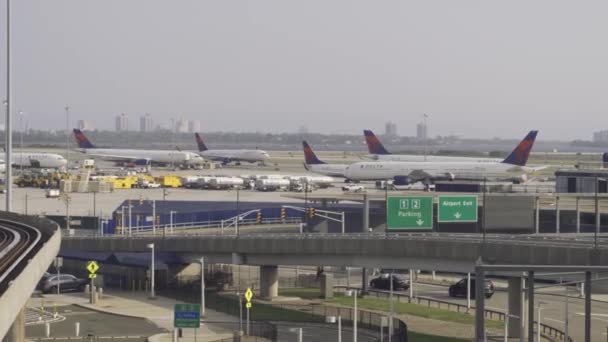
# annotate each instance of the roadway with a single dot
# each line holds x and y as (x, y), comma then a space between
(552, 301)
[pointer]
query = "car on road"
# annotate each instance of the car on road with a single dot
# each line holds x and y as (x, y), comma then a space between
(66, 282)
(353, 188)
(383, 282)
(460, 288)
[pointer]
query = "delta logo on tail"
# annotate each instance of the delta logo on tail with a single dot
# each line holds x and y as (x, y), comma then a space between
(373, 143)
(310, 157)
(82, 140)
(199, 141)
(520, 154)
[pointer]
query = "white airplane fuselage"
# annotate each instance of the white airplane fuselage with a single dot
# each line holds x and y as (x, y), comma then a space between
(251, 156)
(449, 170)
(156, 156)
(333, 170)
(38, 160)
(421, 158)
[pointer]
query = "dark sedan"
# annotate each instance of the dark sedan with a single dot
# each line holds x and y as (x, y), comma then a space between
(383, 282)
(460, 288)
(65, 283)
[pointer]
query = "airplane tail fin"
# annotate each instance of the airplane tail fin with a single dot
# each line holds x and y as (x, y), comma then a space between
(605, 160)
(373, 143)
(82, 140)
(199, 141)
(520, 154)
(309, 155)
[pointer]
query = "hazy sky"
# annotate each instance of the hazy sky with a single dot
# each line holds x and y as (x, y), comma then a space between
(478, 68)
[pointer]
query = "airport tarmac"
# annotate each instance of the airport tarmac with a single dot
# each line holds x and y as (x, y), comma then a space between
(103, 204)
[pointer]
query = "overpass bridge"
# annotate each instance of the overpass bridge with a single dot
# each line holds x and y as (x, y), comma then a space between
(28, 245)
(517, 256)
(442, 252)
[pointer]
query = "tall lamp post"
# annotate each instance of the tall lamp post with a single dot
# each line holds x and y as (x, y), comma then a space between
(21, 140)
(236, 222)
(7, 123)
(598, 217)
(67, 136)
(426, 132)
(152, 293)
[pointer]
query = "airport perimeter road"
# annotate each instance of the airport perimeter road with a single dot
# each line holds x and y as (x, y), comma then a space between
(96, 323)
(552, 301)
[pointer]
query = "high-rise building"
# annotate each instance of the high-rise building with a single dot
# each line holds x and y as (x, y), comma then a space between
(390, 129)
(421, 131)
(194, 126)
(122, 122)
(145, 123)
(181, 125)
(600, 136)
(84, 125)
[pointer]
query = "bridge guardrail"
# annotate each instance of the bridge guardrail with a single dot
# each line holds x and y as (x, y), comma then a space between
(547, 329)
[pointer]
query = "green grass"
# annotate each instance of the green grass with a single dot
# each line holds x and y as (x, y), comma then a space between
(259, 312)
(414, 310)
(304, 293)
(419, 337)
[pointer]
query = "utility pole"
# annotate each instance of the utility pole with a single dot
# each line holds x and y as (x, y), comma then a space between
(67, 136)
(8, 129)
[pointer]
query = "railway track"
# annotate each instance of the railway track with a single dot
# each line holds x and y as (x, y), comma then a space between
(17, 243)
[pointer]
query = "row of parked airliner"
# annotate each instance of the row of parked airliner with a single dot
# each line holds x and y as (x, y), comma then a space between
(183, 158)
(409, 171)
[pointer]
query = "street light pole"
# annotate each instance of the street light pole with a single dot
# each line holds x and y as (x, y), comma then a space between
(21, 140)
(152, 292)
(8, 129)
(236, 223)
(597, 213)
(356, 294)
(67, 136)
(392, 312)
(426, 132)
(203, 286)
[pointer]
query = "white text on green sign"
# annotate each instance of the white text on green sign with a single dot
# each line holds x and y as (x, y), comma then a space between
(410, 212)
(457, 209)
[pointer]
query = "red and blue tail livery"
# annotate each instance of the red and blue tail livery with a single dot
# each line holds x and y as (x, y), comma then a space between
(520, 154)
(199, 141)
(82, 140)
(373, 143)
(309, 155)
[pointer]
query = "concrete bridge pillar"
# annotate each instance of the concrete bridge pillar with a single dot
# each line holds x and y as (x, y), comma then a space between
(17, 331)
(269, 281)
(517, 306)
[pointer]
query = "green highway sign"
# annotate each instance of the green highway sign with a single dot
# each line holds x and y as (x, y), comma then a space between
(187, 316)
(409, 212)
(457, 209)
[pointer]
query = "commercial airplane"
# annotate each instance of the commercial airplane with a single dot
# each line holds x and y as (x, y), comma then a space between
(511, 167)
(140, 157)
(314, 164)
(227, 156)
(378, 152)
(37, 160)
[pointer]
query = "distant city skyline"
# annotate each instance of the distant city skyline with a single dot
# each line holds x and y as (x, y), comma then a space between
(479, 69)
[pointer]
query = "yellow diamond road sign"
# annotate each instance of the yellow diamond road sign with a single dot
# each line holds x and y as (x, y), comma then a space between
(248, 305)
(92, 267)
(248, 295)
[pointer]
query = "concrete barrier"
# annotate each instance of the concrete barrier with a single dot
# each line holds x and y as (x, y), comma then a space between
(21, 288)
